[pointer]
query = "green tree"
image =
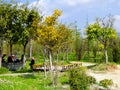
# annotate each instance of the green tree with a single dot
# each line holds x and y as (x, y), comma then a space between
(11, 22)
(79, 46)
(3, 24)
(28, 24)
(65, 39)
(103, 31)
(115, 49)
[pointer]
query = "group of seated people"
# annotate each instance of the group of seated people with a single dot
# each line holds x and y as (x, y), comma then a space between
(13, 59)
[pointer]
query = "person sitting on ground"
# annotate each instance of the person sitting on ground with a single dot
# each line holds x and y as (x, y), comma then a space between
(32, 62)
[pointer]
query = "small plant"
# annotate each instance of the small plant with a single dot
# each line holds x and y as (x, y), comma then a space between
(4, 70)
(106, 83)
(91, 79)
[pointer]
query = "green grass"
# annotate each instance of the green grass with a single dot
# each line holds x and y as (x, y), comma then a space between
(4, 70)
(28, 82)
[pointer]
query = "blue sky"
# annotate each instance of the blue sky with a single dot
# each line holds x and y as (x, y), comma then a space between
(79, 10)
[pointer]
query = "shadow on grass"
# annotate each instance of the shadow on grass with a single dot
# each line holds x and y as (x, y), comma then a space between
(29, 76)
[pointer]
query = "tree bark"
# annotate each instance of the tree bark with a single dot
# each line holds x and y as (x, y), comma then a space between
(45, 75)
(30, 48)
(24, 49)
(106, 55)
(10, 48)
(50, 58)
(0, 61)
(51, 67)
(67, 54)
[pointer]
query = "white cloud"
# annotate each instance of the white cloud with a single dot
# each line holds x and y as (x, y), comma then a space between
(75, 2)
(117, 23)
(40, 5)
(77, 10)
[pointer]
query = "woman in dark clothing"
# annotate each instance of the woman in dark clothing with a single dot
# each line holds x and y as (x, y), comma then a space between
(10, 59)
(32, 62)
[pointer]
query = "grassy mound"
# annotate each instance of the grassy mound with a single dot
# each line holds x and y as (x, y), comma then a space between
(105, 67)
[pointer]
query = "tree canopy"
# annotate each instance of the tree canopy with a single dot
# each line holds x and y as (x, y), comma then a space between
(103, 32)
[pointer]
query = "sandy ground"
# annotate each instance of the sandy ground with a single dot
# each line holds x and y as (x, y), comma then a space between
(114, 75)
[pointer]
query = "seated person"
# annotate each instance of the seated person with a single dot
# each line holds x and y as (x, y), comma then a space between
(32, 62)
(10, 59)
(16, 60)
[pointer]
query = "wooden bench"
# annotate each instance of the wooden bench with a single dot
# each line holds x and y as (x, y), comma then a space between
(13, 66)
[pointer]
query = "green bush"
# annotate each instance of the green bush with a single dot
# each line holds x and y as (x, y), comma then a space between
(78, 79)
(91, 80)
(4, 70)
(64, 79)
(106, 82)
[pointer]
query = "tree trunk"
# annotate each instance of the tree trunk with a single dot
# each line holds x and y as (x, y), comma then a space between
(67, 54)
(10, 48)
(57, 57)
(45, 75)
(88, 50)
(106, 55)
(50, 58)
(1, 50)
(30, 48)
(1, 46)
(24, 49)
(51, 67)
(0, 61)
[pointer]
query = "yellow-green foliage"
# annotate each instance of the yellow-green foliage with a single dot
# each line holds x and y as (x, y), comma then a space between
(51, 33)
(106, 82)
(78, 79)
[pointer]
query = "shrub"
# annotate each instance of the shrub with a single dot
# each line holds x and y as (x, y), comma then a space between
(106, 82)
(78, 79)
(91, 79)
(64, 79)
(100, 67)
(4, 70)
(104, 67)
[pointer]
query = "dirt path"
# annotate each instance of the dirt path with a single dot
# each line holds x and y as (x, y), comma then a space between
(113, 75)
(16, 74)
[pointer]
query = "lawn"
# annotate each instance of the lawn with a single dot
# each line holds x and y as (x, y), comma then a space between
(35, 81)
